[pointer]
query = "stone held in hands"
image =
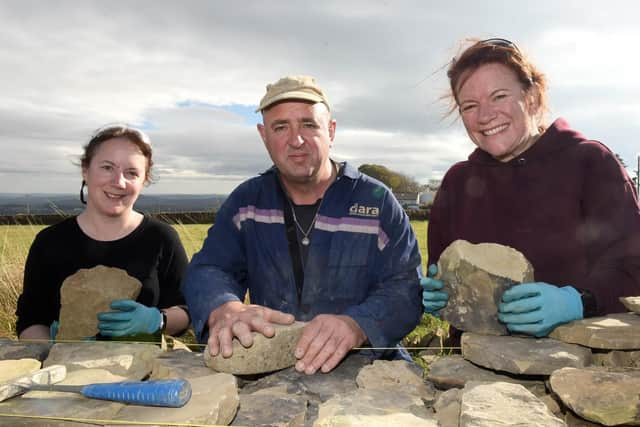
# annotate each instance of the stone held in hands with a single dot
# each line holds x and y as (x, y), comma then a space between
(264, 355)
(88, 292)
(475, 276)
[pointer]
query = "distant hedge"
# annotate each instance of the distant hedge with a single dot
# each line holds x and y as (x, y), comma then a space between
(50, 219)
(170, 217)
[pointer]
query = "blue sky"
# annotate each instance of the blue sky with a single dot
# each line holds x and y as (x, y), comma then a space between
(191, 73)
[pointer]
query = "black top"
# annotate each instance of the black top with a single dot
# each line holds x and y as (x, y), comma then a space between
(152, 253)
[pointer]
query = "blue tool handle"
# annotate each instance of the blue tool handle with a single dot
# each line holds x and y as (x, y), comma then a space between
(166, 393)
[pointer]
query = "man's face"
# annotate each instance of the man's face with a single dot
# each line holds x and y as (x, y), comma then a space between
(298, 136)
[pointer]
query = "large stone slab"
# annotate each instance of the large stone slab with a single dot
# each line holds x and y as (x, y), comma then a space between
(264, 355)
(453, 371)
(129, 360)
(631, 303)
(214, 401)
(10, 349)
(271, 409)
(88, 292)
(609, 397)
(10, 369)
(522, 355)
(612, 332)
(503, 404)
(388, 374)
(179, 364)
(372, 402)
(389, 420)
(475, 276)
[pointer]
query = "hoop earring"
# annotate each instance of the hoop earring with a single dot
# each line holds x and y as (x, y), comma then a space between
(84, 202)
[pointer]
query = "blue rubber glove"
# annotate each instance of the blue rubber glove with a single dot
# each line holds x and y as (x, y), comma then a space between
(53, 330)
(537, 308)
(433, 299)
(131, 318)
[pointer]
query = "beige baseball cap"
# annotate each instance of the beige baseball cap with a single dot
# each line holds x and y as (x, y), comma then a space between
(293, 87)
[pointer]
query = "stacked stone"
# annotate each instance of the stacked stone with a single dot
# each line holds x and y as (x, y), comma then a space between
(587, 372)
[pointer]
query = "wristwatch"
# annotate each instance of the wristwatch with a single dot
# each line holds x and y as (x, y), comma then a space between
(163, 321)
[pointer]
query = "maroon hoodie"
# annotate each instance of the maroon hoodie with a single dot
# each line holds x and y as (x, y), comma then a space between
(566, 203)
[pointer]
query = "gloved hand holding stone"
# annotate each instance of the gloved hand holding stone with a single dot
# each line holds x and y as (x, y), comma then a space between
(537, 308)
(131, 318)
(433, 299)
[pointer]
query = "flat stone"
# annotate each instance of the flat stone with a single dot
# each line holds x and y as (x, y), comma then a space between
(573, 420)
(214, 401)
(372, 402)
(179, 364)
(631, 303)
(10, 369)
(61, 405)
(88, 292)
(503, 404)
(389, 420)
(475, 276)
(271, 409)
(264, 355)
(129, 360)
(10, 349)
(522, 355)
(447, 408)
(617, 359)
(388, 374)
(612, 332)
(601, 395)
(454, 371)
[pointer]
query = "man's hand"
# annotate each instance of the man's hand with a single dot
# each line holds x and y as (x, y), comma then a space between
(325, 341)
(235, 319)
(537, 308)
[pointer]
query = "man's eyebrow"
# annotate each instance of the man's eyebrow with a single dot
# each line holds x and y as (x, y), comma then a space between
(279, 122)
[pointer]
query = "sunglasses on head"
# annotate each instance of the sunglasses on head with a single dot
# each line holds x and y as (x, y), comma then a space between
(500, 42)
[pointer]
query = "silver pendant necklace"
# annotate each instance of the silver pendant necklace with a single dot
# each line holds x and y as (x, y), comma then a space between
(305, 234)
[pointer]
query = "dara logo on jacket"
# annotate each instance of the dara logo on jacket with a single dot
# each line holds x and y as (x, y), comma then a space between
(361, 210)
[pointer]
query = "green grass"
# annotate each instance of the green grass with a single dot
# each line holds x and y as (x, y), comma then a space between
(15, 241)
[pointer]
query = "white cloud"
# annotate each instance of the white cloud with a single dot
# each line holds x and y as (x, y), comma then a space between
(70, 67)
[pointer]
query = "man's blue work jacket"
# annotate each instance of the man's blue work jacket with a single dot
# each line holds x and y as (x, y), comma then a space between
(363, 259)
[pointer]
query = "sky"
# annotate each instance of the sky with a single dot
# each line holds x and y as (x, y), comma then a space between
(190, 74)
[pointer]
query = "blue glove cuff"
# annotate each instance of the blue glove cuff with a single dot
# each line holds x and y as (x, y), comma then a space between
(573, 302)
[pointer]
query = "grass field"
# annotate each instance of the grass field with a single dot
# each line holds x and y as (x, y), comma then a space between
(15, 241)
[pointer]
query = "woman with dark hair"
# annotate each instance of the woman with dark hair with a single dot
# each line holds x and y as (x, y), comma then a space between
(562, 200)
(116, 164)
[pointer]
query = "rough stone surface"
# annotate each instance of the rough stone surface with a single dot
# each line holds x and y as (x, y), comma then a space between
(522, 355)
(390, 420)
(503, 404)
(372, 402)
(601, 395)
(617, 359)
(613, 332)
(214, 401)
(387, 375)
(454, 371)
(179, 364)
(265, 355)
(88, 292)
(10, 369)
(10, 349)
(271, 409)
(132, 361)
(631, 303)
(447, 408)
(475, 276)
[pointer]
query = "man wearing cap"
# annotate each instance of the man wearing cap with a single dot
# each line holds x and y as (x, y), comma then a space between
(310, 239)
